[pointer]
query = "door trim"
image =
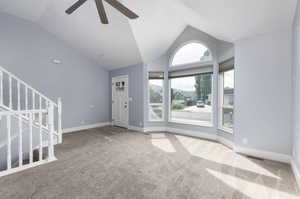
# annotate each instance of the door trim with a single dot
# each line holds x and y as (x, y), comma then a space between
(128, 101)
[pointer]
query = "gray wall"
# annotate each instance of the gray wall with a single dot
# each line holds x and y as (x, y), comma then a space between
(225, 51)
(136, 92)
(296, 87)
(27, 50)
(263, 92)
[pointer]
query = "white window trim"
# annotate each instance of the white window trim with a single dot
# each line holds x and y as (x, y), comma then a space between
(221, 106)
(158, 104)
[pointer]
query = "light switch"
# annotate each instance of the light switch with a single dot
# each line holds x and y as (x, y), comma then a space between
(92, 106)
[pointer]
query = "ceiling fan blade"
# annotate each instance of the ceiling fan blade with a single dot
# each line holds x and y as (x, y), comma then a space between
(75, 6)
(124, 10)
(101, 11)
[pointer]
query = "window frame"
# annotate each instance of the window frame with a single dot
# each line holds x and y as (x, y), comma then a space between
(221, 103)
(191, 64)
(211, 123)
(156, 104)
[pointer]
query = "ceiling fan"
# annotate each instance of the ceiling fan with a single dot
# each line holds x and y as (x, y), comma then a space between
(101, 11)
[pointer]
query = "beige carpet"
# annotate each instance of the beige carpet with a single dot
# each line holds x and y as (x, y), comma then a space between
(113, 163)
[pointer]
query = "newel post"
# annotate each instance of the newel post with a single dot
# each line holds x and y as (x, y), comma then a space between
(59, 104)
(1, 88)
(51, 131)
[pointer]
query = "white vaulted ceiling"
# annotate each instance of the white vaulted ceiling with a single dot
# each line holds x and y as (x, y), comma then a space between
(124, 42)
(112, 46)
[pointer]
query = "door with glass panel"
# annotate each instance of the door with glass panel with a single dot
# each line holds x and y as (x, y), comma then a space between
(120, 104)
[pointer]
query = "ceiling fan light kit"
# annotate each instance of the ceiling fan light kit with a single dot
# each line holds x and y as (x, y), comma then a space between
(101, 10)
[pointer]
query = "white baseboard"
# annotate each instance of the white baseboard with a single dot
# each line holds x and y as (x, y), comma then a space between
(296, 171)
(85, 127)
(197, 134)
(279, 157)
(243, 150)
(155, 129)
(225, 141)
(246, 151)
(136, 128)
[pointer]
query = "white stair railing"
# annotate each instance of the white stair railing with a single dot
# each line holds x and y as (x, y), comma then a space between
(22, 97)
(32, 109)
(48, 142)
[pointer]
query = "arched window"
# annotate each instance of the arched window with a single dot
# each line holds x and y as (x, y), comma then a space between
(191, 53)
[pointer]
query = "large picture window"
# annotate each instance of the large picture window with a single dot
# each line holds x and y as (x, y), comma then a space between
(156, 96)
(227, 95)
(191, 96)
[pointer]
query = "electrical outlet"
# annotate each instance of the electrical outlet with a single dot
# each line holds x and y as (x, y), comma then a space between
(294, 152)
(82, 122)
(92, 106)
(245, 141)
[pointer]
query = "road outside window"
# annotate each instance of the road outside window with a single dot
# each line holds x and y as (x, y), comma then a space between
(191, 100)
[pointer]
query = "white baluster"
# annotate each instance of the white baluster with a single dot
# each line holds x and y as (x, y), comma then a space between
(30, 138)
(59, 107)
(1, 87)
(14, 87)
(10, 93)
(19, 96)
(8, 142)
(20, 141)
(41, 136)
(33, 103)
(51, 132)
(40, 102)
(40, 107)
(26, 99)
(47, 118)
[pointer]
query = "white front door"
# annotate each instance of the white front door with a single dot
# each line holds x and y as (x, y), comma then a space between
(120, 102)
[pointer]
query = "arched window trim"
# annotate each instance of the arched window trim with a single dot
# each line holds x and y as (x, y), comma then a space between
(193, 63)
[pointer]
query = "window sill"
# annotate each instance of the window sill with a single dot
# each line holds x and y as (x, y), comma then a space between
(191, 122)
(156, 120)
(226, 130)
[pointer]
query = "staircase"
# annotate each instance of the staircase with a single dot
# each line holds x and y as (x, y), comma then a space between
(30, 125)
